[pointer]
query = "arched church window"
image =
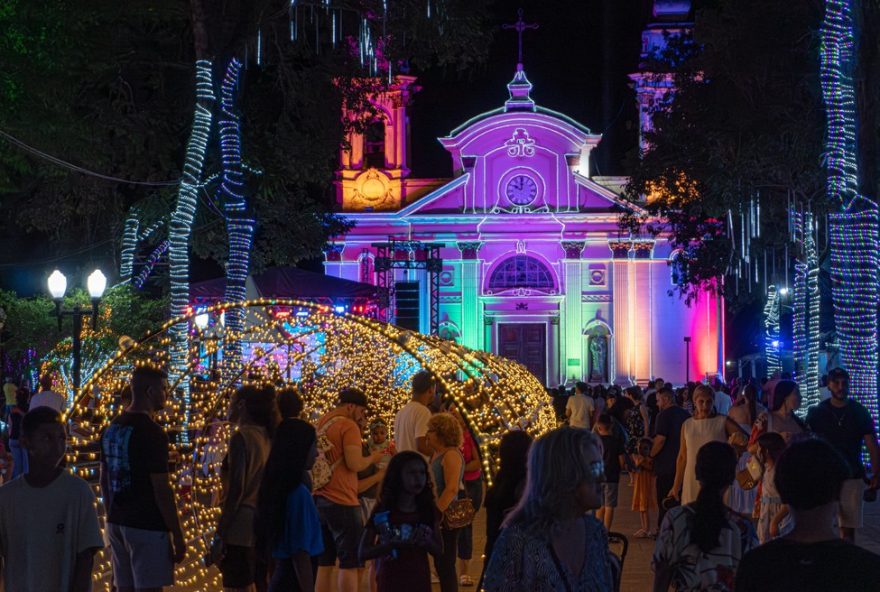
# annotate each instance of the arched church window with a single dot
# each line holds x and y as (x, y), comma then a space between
(521, 271)
(374, 145)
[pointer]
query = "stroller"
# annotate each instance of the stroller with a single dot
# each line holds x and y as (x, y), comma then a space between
(618, 544)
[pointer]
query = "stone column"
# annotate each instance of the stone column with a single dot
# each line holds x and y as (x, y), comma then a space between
(471, 321)
(620, 303)
(643, 332)
(572, 356)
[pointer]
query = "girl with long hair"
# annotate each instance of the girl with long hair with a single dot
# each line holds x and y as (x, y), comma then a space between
(745, 413)
(772, 521)
(685, 400)
(645, 492)
(701, 543)
(288, 527)
(404, 527)
(254, 411)
(508, 486)
(550, 542)
(781, 418)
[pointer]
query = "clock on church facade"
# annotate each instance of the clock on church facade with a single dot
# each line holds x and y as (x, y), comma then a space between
(521, 189)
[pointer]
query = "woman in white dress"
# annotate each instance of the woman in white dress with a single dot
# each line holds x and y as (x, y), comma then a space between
(705, 426)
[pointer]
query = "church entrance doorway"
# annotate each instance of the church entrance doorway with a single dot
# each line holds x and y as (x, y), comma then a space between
(525, 343)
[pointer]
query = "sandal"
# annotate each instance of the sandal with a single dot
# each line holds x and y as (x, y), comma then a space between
(641, 534)
(465, 580)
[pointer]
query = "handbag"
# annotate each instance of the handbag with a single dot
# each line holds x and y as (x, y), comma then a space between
(460, 511)
(750, 476)
(458, 514)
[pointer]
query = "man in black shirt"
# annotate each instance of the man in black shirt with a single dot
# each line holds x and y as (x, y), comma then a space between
(141, 511)
(614, 458)
(809, 477)
(846, 424)
(667, 441)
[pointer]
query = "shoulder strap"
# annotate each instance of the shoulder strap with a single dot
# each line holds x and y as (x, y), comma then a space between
(326, 426)
(559, 569)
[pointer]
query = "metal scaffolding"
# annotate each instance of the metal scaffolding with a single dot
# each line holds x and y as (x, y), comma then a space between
(408, 254)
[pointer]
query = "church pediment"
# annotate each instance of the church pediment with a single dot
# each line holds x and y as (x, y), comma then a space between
(459, 196)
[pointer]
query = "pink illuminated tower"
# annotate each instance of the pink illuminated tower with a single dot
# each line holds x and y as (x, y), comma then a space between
(373, 172)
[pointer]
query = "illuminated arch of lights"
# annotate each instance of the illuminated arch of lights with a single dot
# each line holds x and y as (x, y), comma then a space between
(319, 350)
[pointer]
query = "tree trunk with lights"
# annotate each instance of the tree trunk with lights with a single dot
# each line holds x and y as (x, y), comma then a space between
(853, 228)
(180, 225)
(239, 221)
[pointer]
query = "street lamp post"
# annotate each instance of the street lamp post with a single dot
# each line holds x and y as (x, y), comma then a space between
(96, 284)
(687, 359)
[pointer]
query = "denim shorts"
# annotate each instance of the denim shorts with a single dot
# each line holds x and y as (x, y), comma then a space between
(341, 529)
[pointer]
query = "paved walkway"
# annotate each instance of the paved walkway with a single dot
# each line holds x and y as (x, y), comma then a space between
(637, 576)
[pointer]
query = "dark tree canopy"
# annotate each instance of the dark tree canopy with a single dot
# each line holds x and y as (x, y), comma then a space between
(747, 120)
(108, 86)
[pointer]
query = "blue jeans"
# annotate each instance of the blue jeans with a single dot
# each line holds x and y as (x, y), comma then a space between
(19, 459)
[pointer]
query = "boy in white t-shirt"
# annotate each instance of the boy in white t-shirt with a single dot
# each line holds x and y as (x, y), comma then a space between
(411, 421)
(49, 529)
(579, 408)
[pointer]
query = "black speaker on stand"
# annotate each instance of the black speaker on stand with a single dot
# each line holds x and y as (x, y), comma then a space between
(406, 303)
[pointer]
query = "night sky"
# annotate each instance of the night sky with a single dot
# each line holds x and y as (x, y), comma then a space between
(578, 61)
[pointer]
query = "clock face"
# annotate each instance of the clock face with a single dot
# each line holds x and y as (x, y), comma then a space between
(521, 190)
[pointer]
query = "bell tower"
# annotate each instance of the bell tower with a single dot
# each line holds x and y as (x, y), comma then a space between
(374, 163)
(672, 19)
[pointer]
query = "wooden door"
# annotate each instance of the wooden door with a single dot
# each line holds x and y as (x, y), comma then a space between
(525, 343)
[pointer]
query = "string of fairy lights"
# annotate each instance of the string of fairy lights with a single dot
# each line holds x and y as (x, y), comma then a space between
(853, 229)
(771, 330)
(315, 349)
(239, 225)
(837, 60)
(854, 266)
(800, 339)
(811, 372)
(132, 234)
(184, 213)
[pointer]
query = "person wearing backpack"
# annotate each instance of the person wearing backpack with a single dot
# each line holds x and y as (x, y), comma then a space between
(340, 455)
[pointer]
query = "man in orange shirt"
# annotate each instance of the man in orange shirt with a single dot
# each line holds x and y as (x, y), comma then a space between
(337, 502)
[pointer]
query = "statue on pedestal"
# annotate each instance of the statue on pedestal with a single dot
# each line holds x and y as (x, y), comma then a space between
(598, 355)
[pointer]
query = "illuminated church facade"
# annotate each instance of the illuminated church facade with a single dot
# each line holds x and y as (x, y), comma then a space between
(520, 253)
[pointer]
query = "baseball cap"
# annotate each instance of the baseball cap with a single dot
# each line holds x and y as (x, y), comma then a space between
(352, 396)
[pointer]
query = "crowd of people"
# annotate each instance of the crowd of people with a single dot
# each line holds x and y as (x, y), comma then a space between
(749, 496)
(727, 469)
